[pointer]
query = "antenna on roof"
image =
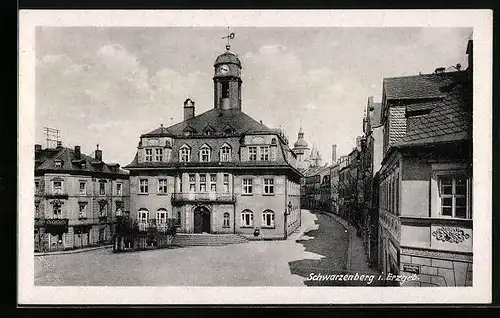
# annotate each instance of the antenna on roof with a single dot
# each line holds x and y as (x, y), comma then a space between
(52, 136)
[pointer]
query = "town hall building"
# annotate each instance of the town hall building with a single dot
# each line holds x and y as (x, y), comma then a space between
(219, 172)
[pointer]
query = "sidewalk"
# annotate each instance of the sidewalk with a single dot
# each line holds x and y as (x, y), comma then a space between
(356, 257)
(80, 250)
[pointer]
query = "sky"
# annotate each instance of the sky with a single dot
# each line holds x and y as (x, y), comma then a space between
(109, 85)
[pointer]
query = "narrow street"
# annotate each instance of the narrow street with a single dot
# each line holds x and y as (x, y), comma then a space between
(321, 250)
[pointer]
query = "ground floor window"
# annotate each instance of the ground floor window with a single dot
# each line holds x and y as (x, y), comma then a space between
(246, 218)
(226, 220)
(268, 218)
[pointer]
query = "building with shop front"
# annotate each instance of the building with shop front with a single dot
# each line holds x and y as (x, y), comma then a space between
(425, 180)
(77, 198)
(219, 172)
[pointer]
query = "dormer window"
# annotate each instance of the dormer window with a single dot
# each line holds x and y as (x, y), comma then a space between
(149, 155)
(225, 153)
(205, 153)
(228, 130)
(189, 131)
(84, 165)
(208, 131)
(185, 153)
(58, 163)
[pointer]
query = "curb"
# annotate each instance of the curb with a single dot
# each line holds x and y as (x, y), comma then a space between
(74, 251)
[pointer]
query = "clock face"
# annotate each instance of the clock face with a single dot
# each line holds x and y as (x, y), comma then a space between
(224, 69)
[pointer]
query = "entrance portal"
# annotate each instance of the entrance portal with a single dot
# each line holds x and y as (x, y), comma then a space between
(201, 220)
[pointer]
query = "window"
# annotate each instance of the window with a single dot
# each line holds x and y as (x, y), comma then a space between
(453, 193)
(396, 194)
(37, 209)
(268, 218)
(225, 89)
(192, 183)
(57, 187)
(268, 186)
(225, 183)
(252, 153)
(205, 153)
(57, 210)
(83, 188)
(264, 153)
(162, 186)
(185, 154)
(246, 218)
(103, 209)
(149, 155)
(143, 186)
(58, 163)
(158, 154)
(203, 183)
(37, 186)
(247, 186)
(161, 216)
(82, 211)
(180, 183)
(84, 165)
(225, 153)
(226, 220)
(119, 208)
(213, 182)
(102, 188)
(143, 216)
(118, 189)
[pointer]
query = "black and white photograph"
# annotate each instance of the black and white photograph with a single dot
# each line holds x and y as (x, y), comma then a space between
(253, 156)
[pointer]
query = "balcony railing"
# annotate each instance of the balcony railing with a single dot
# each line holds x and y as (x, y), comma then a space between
(203, 197)
(56, 193)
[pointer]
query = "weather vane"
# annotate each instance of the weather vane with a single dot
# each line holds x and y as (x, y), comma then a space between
(229, 36)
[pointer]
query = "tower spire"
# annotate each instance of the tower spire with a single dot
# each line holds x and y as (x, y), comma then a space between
(230, 36)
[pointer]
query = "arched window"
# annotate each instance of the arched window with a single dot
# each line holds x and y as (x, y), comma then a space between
(161, 216)
(225, 153)
(185, 153)
(205, 153)
(246, 218)
(226, 220)
(268, 218)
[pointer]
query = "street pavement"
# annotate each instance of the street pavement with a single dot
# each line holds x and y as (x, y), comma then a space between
(322, 249)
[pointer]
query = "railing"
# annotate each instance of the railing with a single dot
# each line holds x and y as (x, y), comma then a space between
(56, 193)
(203, 197)
(127, 226)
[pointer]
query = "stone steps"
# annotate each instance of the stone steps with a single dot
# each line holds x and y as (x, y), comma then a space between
(182, 239)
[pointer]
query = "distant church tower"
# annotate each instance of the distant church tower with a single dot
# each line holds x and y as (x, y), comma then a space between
(315, 159)
(301, 149)
(227, 81)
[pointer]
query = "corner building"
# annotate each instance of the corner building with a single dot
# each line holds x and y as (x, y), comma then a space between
(217, 172)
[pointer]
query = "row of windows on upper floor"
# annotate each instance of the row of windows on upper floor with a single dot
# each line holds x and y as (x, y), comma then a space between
(82, 209)
(255, 153)
(57, 187)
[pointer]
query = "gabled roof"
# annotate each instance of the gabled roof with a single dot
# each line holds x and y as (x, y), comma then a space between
(448, 119)
(45, 161)
(417, 86)
(219, 120)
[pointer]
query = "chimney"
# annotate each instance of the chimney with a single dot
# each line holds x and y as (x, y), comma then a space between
(334, 153)
(78, 153)
(98, 154)
(188, 109)
(59, 144)
(38, 148)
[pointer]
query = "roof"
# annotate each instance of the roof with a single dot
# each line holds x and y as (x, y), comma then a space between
(301, 143)
(445, 120)
(218, 120)
(416, 86)
(160, 131)
(313, 171)
(45, 161)
(227, 57)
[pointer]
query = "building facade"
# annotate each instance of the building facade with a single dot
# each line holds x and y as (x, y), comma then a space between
(77, 198)
(425, 179)
(220, 171)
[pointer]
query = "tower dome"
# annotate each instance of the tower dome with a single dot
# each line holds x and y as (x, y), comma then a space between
(227, 58)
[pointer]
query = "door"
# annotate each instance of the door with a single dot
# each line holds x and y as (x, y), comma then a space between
(201, 220)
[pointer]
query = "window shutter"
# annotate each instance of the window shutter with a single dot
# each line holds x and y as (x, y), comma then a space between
(242, 219)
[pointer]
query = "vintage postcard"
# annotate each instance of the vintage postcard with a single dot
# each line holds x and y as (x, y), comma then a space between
(250, 157)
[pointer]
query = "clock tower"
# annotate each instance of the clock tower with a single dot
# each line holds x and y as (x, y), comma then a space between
(227, 81)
